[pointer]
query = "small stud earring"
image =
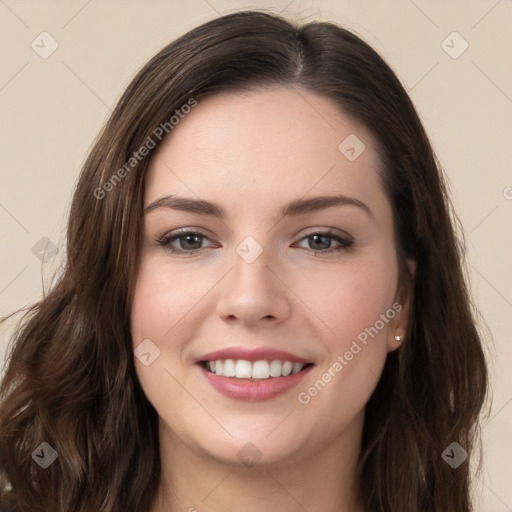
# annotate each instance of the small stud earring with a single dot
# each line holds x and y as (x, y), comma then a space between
(398, 338)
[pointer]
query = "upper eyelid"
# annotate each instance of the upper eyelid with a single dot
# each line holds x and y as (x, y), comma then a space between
(329, 231)
(200, 231)
(183, 232)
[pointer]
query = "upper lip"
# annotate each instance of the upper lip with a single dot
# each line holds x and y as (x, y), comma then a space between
(255, 354)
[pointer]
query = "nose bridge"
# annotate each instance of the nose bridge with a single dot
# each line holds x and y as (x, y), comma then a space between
(252, 277)
(251, 290)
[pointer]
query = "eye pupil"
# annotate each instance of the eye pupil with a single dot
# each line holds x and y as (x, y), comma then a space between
(325, 238)
(196, 245)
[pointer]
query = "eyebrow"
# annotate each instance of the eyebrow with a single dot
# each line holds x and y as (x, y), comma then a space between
(292, 209)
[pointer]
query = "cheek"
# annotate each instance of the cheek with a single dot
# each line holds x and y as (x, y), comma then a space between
(350, 297)
(343, 298)
(163, 303)
(163, 297)
(352, 304)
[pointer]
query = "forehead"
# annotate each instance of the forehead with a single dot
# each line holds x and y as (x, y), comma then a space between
(263, 146)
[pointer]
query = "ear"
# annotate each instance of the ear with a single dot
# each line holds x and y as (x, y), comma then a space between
(402, 305)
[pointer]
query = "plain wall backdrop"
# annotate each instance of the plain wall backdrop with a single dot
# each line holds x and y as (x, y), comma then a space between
(65, 64)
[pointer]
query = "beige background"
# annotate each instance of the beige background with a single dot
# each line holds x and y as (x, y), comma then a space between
(51, 110)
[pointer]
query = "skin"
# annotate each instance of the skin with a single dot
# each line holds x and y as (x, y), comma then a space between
(267, 147)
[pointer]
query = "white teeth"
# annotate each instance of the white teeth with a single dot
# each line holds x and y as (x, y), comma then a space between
(242, 369)
(297, 367)
(287, 368)
(275, 369)
(229, 368)
(260, 370)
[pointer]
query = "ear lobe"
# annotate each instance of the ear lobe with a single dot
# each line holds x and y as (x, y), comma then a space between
(404, 297)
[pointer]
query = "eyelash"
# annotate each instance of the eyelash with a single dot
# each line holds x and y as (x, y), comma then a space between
(166, 240)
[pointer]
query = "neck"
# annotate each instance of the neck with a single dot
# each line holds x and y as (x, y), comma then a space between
(323, 482)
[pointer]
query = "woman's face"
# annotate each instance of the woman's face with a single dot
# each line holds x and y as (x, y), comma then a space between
(271, 274)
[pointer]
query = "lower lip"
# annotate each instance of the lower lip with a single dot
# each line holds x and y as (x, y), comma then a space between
(253, 390)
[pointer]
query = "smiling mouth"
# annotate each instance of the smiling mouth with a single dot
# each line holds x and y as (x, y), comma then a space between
(254, 370)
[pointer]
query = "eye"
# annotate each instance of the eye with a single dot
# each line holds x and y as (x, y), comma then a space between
(321, 241)
(189, 242)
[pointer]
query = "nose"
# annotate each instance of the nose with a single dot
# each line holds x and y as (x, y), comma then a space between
(255, 292)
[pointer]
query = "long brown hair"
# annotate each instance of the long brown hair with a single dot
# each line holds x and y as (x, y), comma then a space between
(70, 379)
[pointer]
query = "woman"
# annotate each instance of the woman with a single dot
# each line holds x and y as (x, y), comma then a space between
(263, 305)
